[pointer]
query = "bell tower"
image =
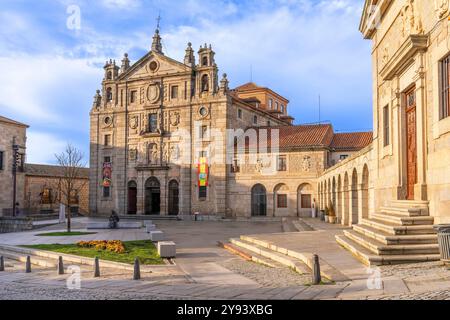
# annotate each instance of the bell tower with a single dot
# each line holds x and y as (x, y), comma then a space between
(207, 81)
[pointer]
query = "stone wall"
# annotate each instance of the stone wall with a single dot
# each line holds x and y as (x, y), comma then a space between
(15, 224)
(7, 132)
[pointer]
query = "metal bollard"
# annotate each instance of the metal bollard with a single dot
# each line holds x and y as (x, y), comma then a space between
(2, 264)
(60, 266)
(96, 268)
(137, 270)
(317, 278)
(28, 265)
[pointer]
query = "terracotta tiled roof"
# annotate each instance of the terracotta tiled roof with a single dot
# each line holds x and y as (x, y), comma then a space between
(50, 171)
(248, 86)
(301, 136)
(351, 140)
(10, 121)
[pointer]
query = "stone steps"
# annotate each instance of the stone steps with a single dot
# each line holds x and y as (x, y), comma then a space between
(327, 270)
(292, 263)
(370, 259)
(394, 249)
(396, 229)
(403, 220)
(35, 260)
(387, 238)
(407, 212)
(402, 233)
(249, 255)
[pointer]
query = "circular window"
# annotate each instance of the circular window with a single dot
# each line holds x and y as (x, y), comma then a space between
(108, 121)
(153, 66)
(203, 111)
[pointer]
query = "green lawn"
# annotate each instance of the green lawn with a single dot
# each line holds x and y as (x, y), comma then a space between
(144, 250)
(64, 234)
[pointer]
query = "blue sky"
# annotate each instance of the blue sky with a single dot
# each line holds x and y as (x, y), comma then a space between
(299, 48)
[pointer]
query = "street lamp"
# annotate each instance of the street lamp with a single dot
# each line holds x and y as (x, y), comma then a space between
(16, 159)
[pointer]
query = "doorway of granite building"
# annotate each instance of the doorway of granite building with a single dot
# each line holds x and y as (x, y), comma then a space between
(259, 201)
(411, 142)
(174, 192)
(132, 198)
(152, 196)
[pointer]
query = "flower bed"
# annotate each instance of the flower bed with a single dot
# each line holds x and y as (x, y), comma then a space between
(116, 246)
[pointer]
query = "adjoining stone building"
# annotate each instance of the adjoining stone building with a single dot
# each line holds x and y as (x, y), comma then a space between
(11, 133)
(169, 138)
(42, 190)
(38, 188)
(395, 189)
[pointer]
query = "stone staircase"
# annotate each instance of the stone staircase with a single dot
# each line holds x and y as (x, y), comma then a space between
(401, 233)
(267, 253)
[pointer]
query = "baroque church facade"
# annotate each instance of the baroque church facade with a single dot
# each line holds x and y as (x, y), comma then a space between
(171, 138)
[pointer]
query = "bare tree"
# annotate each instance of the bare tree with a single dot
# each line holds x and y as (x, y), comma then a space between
(71, 163)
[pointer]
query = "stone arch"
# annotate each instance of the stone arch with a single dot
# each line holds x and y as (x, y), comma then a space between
(174, 198)
(259, 200)
(365, 192)
(355, 198)
(205, 83)
(152, 196)
(132, 197)
(305, 194)
(339, 202)
(333, 194)
(347, 220)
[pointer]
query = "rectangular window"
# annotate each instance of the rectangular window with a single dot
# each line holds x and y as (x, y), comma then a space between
(107, 159)
(255, 120)
(386, 137)
(133, 96)
(343, 157)
(202, 192)
(306, 201)
(239, 114)
(270, 104)
(276, 105)
(444, 83)
(282, 200)
(106, 192)
(107, 140)
(203, 132)
(203, 154)
(153, 123)
(282, 163)
(282, 108)
(2, 154)
(174, 92)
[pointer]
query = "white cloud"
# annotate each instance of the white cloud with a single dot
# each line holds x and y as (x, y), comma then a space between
(44, 88)
(121, 4)
(42, 147)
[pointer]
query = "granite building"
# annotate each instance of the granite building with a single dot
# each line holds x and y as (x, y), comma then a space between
(171, 138)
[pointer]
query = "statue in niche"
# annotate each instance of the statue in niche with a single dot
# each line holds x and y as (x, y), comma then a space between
(153, 153)
(306, 163)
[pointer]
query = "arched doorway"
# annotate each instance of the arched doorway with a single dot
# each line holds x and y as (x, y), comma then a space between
(174, 193)
(152, 196)
(304, 200)
(132, 197)
(365, 192)
(347, 220)
(355, 200)
(259, 200)
(339, 202)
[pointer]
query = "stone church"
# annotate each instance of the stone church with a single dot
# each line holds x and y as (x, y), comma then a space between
(171, 138)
